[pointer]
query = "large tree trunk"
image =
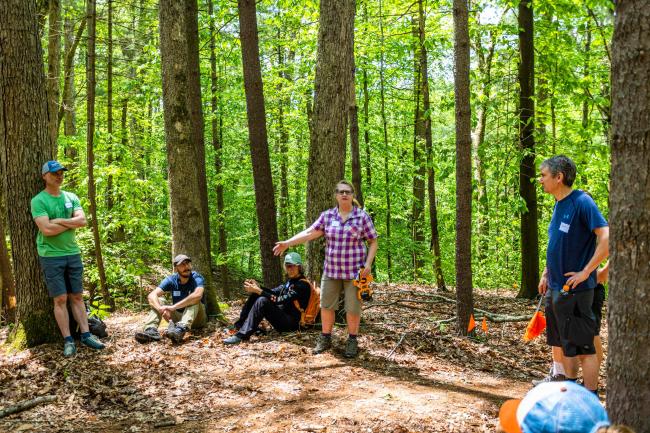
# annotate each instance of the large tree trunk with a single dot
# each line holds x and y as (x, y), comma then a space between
(263, 179)
(186, 200)
(431, 178)
(53, 71)
(419, 145)
(222, 245)
(91, 15)
(527, 171)
(24, 140)
(464, 295)
(327, 141)
(628, 370)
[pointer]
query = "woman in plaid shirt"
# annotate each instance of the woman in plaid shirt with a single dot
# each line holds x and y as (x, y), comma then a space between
(347, 229)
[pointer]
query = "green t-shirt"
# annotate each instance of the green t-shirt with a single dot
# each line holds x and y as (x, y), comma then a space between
(63, 206)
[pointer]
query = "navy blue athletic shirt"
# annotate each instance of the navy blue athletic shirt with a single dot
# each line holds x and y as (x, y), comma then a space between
(180, 291)
(571, 239)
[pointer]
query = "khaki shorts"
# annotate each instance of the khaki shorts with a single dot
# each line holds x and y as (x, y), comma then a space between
(331, 292)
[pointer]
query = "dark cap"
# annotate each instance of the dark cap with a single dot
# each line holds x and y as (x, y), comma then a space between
(180, 259)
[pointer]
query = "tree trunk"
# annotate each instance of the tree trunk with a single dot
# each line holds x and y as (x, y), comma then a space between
(24, 141)
(464, 295)
(431, 181)
(68, 71)
(109, 110)
(222, 244)
(53, 71)
(186, 200)
(263, 179)
(329, 123)
(389, 260)
(91, 15)
(353, 119)
(366, 117)
(527, 171)
(628, 369)
(68, 103)
(419, 145)
(7, 287)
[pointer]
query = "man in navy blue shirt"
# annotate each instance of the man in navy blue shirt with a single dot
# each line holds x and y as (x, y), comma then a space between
(578, 241)
(187, 309)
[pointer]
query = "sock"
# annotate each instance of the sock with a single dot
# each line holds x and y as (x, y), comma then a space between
(352, 336)
(328, 335)
(558, 368)
(85, 335)
(68, 339)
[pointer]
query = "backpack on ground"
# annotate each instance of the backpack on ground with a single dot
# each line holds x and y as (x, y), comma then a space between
(96, 326)
(309, 315)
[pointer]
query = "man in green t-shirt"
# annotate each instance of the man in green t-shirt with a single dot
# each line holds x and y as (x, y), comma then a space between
(57, 214)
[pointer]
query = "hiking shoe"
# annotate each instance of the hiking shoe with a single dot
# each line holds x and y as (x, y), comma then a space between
(92, 342)
(176, 334)
(69, 349)
(550, 378)
(322, 344)
(232, 340)
(231, 330)
(351, 348)
(148, 335)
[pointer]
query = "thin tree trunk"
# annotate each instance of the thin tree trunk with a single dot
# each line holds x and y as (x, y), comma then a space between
(329, 123)
(464, 295)
(431, 182)
(90, 155)
(109, 109)
(24, 142)
(263, 179)
(366, 118)
(7, 287)
(628, 370)
(353, 119)
(53, 70)
(68, 71)
(389, 262)
(69, 127)
(527, 170)
(283, 145)
(218, 164)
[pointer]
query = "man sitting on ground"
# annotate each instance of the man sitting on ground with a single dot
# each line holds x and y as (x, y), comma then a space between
(275, 305)
(188, 304)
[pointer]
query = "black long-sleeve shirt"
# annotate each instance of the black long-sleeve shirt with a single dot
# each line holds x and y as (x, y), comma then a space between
(286, 293)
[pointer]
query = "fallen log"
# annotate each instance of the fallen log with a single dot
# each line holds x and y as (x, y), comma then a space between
(26, 404)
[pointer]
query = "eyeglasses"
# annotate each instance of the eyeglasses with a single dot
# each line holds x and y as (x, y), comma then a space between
(289, 265)
(344, 192)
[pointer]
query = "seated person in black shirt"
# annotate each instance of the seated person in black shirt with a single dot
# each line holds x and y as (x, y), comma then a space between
(275, 305)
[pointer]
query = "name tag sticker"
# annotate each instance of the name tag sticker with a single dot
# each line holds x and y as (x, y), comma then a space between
(335, 223)
(176, 293)
(564, 227)
(68, 205)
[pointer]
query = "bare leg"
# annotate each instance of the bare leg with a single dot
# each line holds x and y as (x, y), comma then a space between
(557, 354)
(571, 366)
(327, 317)
(590, 371)
(61, 314)
(79, 311)
(599, 349)
(353, 323)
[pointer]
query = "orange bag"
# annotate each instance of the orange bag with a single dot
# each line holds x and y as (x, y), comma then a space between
(309, 315)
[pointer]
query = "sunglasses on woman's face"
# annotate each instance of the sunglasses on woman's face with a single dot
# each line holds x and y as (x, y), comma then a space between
(344, 192)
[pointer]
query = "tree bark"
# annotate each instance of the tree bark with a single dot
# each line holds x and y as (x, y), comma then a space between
(7, 287)
(527, 171)
(353, 119)
(186, 200)
(628, 370)
(53, 71)
(263, 179)
(464, 295)
(109, 109)
(329, 123)
(91, 16)
(222, 243)
(68, 103)
(24, 141)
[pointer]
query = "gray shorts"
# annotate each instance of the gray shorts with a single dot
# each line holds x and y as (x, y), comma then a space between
(331, 292)
(63, 274)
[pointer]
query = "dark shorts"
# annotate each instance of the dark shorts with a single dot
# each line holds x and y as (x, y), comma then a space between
(575, 322)
(63, 274)
(552, 332)
(597, 306)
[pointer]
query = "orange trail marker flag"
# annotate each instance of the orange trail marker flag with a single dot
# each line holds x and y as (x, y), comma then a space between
(484, 325)
(472, 323)
(537, 323)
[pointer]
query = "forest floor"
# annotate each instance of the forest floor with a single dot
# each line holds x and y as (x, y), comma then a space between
(413, 374)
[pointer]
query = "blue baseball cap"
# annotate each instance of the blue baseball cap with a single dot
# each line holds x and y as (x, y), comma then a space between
(52, 167)
(554, 407)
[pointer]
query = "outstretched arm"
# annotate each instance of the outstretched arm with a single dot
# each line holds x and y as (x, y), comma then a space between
(302, 237)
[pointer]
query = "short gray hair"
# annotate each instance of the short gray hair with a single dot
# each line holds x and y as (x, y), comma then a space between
(561, 164)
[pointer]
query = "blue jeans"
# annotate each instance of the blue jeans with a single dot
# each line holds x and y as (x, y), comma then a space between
(63, 274)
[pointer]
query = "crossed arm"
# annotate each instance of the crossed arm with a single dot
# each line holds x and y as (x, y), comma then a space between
(53, 227)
